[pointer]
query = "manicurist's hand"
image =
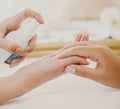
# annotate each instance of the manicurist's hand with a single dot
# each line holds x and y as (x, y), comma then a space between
(107, 71)
(12, 24)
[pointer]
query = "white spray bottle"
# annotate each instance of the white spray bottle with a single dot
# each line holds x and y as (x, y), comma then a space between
(21, 37)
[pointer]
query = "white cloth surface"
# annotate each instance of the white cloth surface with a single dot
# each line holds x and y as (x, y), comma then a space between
(66, 92)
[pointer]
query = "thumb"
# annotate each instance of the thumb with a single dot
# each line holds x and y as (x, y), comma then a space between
(31, 45)
(82, 71)
(11, 47)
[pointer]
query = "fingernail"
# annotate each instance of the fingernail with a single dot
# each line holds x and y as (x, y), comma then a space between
(70, 70)
(18, 49)
(85, 62)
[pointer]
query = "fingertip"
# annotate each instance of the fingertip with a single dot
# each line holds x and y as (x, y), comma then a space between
(32, 42)
(78, 37)
(42, 21)
(17, 61)
(20, 51)
(87, 37)
(35, 37)
(84, 61)
(39, 18)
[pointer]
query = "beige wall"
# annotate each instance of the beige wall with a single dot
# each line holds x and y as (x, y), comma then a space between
(56, 8)
(85, 8)
(116, 2)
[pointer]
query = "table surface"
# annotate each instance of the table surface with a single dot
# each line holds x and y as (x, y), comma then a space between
(66, 92)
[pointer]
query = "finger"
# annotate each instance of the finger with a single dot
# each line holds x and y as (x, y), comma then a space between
(33, 14)
(81, 51)
(56, 52)
(83, 71)
(11, 47)
(82, 37)
(20, 51)
(14, 22)
(85, 37)
(17, 61)
(31, 45)
(78, 37)
(75, 60)
(70, 46)
(83, 43)
(27, 13)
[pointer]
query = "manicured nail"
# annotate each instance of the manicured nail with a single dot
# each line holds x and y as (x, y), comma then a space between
(18, 49)
(85, 62)
(70, 70)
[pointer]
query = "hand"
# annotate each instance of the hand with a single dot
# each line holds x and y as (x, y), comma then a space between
(50, 66)
(12, 24)
(81, 37)
(107, 71)
(35, 74)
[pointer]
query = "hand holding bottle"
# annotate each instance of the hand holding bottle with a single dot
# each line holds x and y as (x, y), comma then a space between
(13, 24)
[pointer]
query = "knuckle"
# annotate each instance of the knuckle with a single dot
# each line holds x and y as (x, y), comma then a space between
(12, 47)
(81, 73)
(27, 12)
(74, 49)
(72, 59)
(100, 48)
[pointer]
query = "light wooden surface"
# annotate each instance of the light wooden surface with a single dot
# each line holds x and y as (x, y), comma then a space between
(47, 48)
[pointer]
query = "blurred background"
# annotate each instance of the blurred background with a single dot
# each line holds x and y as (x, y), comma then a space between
(66, 18)
(57, 8)
(60, 14)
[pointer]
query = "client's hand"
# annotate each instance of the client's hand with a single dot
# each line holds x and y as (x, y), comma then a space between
(35, 74)
(12, 24)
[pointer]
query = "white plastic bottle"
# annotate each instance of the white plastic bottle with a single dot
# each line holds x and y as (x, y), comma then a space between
(21, 37)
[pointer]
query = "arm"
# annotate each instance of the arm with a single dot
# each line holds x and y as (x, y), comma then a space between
(33, 75)
(18, 84)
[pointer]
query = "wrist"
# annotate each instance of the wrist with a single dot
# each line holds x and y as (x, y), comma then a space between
(27, 79)
(3, 30)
